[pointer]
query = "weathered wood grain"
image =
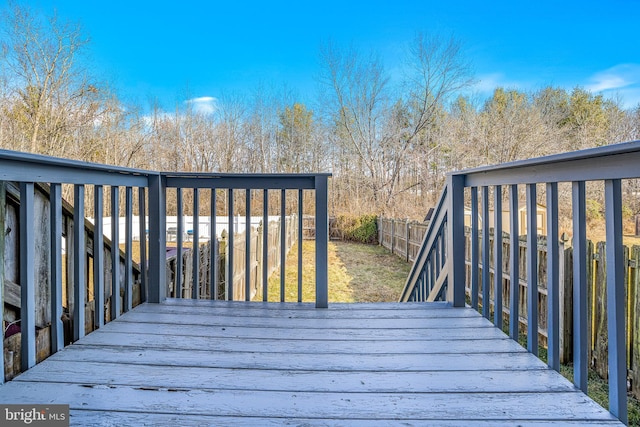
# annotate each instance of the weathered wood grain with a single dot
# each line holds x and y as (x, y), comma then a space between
(294, 361)
(308, 346)
(429, 334)
(118, 419)
(306, 323)
(211, 378)
(215, 363)
(318, 405)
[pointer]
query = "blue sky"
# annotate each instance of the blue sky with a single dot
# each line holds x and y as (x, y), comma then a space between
(177, 50)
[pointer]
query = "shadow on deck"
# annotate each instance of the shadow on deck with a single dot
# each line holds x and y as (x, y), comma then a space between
(187, 362)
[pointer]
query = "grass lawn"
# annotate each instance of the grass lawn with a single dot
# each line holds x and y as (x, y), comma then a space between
(357, 273)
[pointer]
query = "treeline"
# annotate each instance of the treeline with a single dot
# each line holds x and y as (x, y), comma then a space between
(388, 141)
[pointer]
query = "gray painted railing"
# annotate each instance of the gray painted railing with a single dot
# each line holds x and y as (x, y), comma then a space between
(439, 271)
(28, 169)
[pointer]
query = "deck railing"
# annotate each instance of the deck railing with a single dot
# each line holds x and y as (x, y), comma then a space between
(144, 191)
(439, 272)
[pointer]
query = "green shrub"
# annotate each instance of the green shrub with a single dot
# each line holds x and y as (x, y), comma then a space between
(361, 229)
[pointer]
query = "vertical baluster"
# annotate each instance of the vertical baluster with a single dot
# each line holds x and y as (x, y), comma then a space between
(497, 256)
(57, 329)
(514, 264)
(128, 249)
(115, 252)
(300, 225)
(79, 263)
(98, 258)
(213, 241)
(532, 270)
(474, 248)
(230, 246)
(579, 286)
(247, 246)
(27, 277)
(553, 278)
(322, 241)
(265, 244)
(142, 209)
(195, 290)
(486, 283)
(283, 241)
(3, 206)
(179, 244)
(616, 300)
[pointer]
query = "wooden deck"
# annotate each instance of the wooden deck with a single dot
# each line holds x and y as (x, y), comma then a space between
(185, 363)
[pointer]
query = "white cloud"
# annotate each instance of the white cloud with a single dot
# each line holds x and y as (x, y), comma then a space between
(617, 77)
(206, 105)
(622, 81)
(487, 83)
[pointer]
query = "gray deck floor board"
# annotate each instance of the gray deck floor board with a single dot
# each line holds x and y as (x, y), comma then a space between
(219, 363)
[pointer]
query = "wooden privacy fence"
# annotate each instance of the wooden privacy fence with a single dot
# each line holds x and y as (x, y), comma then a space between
(218, 283)
(393, 236)
(401, 236)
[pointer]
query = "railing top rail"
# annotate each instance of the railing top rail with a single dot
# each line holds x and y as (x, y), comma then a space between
(242, 181)
(242, 175)
(28, 167)
(43, 160)
(607, 162)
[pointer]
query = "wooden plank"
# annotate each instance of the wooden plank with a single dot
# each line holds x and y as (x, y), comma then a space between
(302, 323)
(580, 362)
(382, 306)
(325, 362)
(532, 270)
(128, 251)
(90, 419)
(27, 277)
(429, 334)
(195, 283)
(486, 283)
(155, 376)
(616, 285)
(79, 263)
(98, 256)
(376, 406)
(309, 346)
(413, 313)
(115, 254)
(497, 256)
(514, 265)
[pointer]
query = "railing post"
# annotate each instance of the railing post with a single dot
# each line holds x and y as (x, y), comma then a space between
(157, 239)
(322, 241)
(455, 236)
(616, 300)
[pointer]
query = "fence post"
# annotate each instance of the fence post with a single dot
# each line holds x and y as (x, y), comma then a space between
(406, 235)
(322, 241)
(157, 239)
(393, 236)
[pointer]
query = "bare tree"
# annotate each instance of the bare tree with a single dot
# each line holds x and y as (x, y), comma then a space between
(51, 93)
